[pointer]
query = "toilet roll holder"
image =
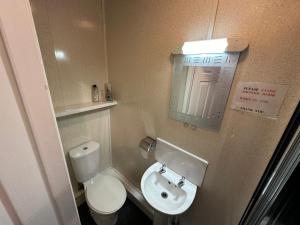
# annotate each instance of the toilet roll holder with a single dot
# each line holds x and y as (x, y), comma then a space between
(147, 144)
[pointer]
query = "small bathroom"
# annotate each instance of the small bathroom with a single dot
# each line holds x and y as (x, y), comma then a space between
(169, 112)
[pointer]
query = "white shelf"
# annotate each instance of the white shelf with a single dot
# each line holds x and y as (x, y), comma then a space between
(75, 109)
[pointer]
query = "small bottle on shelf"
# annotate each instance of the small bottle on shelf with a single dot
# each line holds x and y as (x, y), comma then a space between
(95, 93)
(108, 92)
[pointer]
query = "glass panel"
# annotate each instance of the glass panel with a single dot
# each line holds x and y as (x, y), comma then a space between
(285, 210)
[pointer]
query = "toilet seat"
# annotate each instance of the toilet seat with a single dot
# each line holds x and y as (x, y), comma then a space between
(105, 194)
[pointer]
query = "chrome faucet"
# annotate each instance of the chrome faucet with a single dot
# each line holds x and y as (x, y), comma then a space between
(162, 169)
(181, 182)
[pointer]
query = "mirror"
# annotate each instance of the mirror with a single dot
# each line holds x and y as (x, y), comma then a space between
(200, 88)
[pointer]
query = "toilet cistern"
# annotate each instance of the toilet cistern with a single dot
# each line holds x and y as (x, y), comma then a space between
(104, 194)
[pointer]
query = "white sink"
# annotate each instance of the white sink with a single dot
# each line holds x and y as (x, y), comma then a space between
(163, 194)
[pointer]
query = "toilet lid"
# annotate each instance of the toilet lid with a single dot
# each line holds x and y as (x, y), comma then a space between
(105, 194)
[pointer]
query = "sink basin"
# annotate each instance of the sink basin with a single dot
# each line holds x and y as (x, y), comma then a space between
(163, 194)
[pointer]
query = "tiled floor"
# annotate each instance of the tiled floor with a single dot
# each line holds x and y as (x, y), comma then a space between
(129, 214)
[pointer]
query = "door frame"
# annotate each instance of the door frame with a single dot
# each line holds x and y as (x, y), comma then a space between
(21, 44)
(281, 166)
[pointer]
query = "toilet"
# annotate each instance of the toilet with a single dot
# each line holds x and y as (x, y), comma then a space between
(104, 194)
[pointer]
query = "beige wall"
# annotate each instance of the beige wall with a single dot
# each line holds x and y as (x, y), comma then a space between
(140, 37)
(77, 129)
(76, 28)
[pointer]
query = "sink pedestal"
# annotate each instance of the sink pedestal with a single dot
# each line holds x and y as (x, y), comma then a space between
(163, 219)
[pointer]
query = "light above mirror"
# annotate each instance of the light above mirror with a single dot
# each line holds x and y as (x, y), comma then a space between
(213, 46)
(206, 46)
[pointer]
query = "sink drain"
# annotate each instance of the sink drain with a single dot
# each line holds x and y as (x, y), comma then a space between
(164, 195)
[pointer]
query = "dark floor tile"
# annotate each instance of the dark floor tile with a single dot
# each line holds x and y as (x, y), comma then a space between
(129, 214)
(85, 216)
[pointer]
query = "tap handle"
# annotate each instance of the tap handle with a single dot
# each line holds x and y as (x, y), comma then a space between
(162, 169)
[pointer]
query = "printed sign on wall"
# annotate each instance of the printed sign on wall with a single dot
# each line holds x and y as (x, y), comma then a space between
(260, 98)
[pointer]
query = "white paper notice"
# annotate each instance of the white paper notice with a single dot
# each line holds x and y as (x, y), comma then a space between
(261, 98)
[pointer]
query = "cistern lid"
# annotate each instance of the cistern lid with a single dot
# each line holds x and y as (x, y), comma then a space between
(84, 149)
(105, 194)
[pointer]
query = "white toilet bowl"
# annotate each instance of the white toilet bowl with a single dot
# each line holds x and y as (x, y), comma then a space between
(105, 195)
